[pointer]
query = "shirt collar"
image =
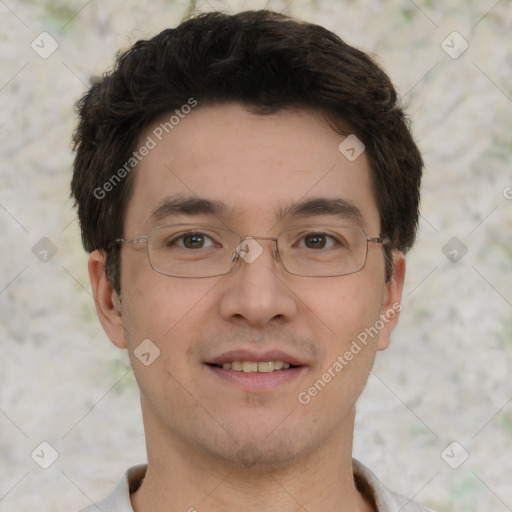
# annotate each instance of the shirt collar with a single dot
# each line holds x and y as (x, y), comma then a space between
(366, 481)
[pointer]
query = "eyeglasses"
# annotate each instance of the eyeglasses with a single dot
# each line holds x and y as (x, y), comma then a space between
(203, 250)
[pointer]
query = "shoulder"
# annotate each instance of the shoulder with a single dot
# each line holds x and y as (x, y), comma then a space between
(385, 500)
(119, 498)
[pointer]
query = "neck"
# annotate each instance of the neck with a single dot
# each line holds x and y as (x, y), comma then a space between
(182, 478)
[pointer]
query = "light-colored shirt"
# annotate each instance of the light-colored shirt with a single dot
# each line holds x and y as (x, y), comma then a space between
(385, 501)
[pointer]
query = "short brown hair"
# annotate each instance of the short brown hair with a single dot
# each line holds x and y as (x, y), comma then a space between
(267, 62)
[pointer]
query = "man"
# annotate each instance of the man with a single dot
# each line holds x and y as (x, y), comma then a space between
(247, 187)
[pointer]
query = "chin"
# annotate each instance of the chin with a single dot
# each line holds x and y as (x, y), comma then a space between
(263, 455)
(265, 449)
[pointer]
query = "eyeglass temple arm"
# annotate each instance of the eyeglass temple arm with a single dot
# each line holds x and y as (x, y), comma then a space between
(378, 240)
(140, 240)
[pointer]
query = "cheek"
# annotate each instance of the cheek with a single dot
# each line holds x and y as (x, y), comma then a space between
(161, 319)
(349, 308)
(159, 307)
(346, 305)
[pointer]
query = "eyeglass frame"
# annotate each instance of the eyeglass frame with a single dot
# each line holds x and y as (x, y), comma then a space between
(236, 255)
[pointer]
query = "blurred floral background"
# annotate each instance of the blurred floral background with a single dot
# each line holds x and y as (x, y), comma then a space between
(435, 422)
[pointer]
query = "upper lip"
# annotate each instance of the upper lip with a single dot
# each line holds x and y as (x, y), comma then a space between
(251, 355)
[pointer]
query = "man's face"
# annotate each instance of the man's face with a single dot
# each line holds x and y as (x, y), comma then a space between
(258, 168)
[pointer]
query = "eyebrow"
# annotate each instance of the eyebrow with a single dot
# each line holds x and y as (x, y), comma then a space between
(188, 206)
(179, 205)
(323, 206)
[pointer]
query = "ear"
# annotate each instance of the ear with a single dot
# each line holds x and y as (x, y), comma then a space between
(391, 305)
(108, 304)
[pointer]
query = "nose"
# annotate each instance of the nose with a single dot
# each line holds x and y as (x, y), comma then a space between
(255, 292)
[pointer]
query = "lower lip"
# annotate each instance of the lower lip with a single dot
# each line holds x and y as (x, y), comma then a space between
(258, 381)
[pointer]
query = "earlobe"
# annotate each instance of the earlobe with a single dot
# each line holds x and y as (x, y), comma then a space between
(392, 296)
(106, 300)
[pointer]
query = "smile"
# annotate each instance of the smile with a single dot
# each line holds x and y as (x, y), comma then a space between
(255, 366)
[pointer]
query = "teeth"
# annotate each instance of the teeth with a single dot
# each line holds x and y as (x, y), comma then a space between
(254, 366)
(278, 365)
(249, 366)
(266, 367)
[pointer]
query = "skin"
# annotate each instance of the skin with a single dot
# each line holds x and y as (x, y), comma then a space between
(213, 445)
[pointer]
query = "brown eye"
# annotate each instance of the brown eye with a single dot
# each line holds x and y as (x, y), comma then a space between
(193, 241)
(315, 241)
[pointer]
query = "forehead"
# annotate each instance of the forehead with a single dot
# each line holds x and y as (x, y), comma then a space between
(256, 168)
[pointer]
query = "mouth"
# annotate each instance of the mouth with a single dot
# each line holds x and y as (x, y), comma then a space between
(256, 371)
(255, 366)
